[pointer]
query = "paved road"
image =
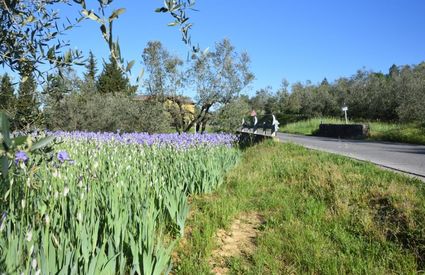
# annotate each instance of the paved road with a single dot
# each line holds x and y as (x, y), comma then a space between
(402, 157)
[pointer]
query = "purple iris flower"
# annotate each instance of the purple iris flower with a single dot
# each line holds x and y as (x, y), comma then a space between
(178, 141)
(63, 156)
(21, 156)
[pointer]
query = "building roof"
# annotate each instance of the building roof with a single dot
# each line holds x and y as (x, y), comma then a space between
(182, 99)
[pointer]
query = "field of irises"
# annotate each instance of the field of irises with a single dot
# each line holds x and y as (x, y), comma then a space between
(106, 203)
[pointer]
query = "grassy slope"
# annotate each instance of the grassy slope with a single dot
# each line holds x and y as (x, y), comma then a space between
(407, 133)
(323, 214)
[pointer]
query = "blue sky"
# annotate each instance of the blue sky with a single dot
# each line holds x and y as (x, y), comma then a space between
(298, 40)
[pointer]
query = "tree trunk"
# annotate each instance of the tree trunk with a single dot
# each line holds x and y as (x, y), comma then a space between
(199, 118)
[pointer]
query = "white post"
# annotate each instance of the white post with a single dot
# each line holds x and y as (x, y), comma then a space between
(275, 124)
(345, 109)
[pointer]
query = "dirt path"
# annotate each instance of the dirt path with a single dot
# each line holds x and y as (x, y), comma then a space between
(238, 240)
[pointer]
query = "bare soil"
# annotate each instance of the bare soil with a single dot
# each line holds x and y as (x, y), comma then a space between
(238, 240)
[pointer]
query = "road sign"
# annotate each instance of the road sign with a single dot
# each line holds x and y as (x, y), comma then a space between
(345, 109)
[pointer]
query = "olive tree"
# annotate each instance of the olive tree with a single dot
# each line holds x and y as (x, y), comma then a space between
(165, 77)
(30, 35)
(165, 80)
(31, 31)
(411, 83)
(229, 117)
(219, 77)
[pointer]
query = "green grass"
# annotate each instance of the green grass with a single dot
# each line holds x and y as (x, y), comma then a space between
(406, 133)
(323, 214)
(307, 127)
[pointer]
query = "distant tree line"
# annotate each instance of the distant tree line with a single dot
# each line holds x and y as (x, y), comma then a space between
(68, 102)
(107, 101)
(31, 34)
(397, 96)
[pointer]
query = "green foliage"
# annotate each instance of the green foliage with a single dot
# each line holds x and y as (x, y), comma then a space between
(229, 117)
(177, 9)
(118, 209)
(411, 81)
(219, 77)
(309, 126)
(113, 81)
(91, 66)
(97, 112)
(396, 132)
(263, 101)
(27, 112)
(165, 77)
(72, 104)
(57, 91)
(396, 96)
(10, 145)
(322, 214)
(164, 81)
(7, 97)
(29, 28)
(28, 34)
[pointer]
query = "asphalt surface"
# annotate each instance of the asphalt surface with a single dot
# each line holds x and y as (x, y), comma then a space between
(401, 157)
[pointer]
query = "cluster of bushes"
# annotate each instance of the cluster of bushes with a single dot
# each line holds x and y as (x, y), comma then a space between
(398, 95)
(92, 103)
(96, 112)
(107, 102)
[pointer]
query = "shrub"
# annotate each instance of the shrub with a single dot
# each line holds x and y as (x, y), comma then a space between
(95, 112)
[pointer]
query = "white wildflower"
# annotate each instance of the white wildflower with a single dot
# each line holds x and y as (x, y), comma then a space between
(47, 219)
(55, 173)
(28, 236)
(38, 272)
(65, 191)
(79, 217)
(23, 203)
(55, 240)
(95, 165)
(34, 263)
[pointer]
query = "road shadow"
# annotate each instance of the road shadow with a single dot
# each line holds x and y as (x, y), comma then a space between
(247, 140)
(356, 141)
(419, 151)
